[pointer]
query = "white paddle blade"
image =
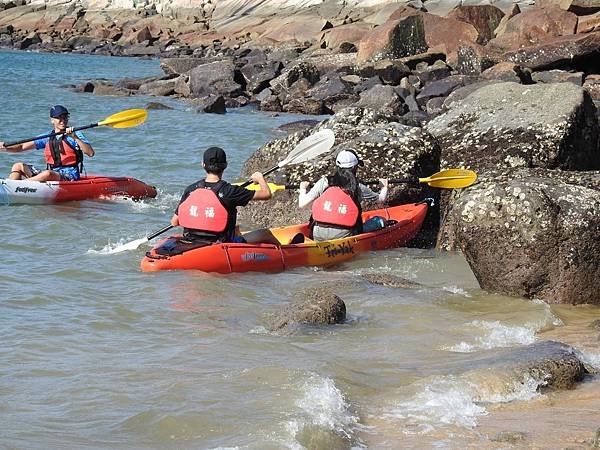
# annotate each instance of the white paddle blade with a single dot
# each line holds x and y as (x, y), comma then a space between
(310, 147)
(129, 246)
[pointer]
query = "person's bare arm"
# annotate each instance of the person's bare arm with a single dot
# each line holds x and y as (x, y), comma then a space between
(30, 145)
(264, 193)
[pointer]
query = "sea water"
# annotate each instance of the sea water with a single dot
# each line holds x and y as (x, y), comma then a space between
(96, 354)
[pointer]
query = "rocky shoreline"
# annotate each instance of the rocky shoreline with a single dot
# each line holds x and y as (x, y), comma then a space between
(510, 91)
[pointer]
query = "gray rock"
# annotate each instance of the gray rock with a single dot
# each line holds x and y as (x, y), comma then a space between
(553, 364)
(306, 106)
(330, 88)
(435, 106)
(382, 97)
(440, 88)
(157, 106)
(298, 125)
(531, 236)
(214, 78)
(596, 439)
(159, 87)
(511, 125)
(558, 76)
(258, 75)
(512, 437)
(464, 91)
(214, 104)
(314, 306)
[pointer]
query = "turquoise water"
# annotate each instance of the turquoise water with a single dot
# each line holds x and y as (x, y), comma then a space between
(96, 354)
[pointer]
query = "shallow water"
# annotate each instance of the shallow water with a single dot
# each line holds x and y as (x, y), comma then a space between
(96, 354)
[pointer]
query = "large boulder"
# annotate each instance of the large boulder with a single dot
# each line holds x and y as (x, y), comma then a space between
(535, 26)
(394, 39)
(563, 51)
(512, 125)
(442, 34)
(258, 75)
(346, 36)
(485, 19)
(533, 233)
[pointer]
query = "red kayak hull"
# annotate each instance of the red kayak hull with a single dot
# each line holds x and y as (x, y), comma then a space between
(87, 188)
(231, 257)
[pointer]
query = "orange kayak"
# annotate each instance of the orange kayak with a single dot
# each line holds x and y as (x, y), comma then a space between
(403, 223)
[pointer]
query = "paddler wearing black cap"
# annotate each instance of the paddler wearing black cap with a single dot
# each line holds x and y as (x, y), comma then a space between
(63, 153)
(336, 199)
(207, 210)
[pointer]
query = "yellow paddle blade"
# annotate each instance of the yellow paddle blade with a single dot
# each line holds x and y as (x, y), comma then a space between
(126, 119)
(451, 179)
(274, 187)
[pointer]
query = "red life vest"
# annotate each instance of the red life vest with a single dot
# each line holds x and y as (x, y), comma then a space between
(335, 207)
(61, 154)
(203, 211)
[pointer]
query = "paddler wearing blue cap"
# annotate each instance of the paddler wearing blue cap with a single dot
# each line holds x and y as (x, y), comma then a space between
(63, 151)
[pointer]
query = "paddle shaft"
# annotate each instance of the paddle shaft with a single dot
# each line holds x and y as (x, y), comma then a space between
(249, 182)
(51, 135)
(159, 232)
(392, 181)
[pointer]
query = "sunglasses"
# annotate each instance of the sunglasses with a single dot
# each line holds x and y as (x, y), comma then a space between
(64, 117)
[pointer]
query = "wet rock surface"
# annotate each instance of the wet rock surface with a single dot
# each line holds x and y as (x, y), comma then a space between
(509, 124)
(313, 306)
(552, 364)
(389, 280)
(532, 235)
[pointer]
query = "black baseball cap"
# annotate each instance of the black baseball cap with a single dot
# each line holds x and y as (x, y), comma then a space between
(215, 158)
(58, 110)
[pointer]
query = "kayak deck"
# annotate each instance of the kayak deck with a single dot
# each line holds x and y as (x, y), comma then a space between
(87, 188)
(405, 222)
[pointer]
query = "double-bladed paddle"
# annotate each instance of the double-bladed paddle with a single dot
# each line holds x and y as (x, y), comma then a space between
(124, 119)
(307, 149)
(446, 179)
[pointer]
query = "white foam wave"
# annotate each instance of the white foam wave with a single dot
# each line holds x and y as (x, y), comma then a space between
(458, 401)
(163, 202)
(260, 330)
(443, 402)
(325, 405)
(592, 359)
(549, 317)
(110, 248)
(321, 405)
(457, 290)
(495, 335)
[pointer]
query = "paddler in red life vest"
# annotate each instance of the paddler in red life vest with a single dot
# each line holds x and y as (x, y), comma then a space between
(336, 199)
(63, 153)
(208, 208)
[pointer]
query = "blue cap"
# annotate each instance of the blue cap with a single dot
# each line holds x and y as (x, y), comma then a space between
(58, 110)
